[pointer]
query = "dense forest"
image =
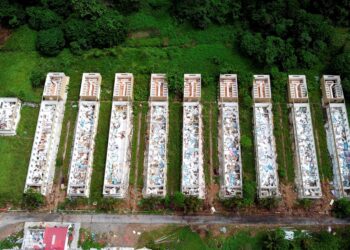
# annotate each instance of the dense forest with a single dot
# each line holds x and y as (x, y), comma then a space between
(288, 34)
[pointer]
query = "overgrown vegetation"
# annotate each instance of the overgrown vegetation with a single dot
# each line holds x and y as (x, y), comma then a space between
(32, 200)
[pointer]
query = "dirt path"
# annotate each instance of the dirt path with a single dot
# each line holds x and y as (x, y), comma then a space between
(57, 195)
(134, 205)
(283, 144)
(66, 142)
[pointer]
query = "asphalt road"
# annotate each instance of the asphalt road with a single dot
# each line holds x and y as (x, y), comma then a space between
(9, 218)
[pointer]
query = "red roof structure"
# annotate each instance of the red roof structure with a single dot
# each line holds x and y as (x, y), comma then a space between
(55, 238)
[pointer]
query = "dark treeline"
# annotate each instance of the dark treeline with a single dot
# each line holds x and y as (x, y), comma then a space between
(288, 34)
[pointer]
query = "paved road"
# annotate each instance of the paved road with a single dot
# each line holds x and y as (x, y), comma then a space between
(18, 217)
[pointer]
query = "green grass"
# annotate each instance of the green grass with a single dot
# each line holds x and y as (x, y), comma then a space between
(137, 162)
(206, 142)
(15, 154)
(100, 151)
(177, 238)
(284, 148)
(174, 148)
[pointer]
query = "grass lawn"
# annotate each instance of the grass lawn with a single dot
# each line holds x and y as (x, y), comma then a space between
(15, 154)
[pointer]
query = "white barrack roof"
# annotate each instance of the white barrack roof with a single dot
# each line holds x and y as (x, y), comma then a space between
(116, 181)
(265, 149)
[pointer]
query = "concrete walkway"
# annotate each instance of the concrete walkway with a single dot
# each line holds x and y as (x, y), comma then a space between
(9, 218)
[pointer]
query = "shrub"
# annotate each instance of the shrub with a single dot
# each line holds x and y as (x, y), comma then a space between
(269, 203)
(42, 18)
(32, 200)
(50, 42)
(305, 203)
(179, 200)
(341, 208)
(107, 204)
(249, 192)
(231, 203)
(192, 204)
(151, 203)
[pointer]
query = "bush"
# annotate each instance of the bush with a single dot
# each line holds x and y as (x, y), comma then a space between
(50, 42)
(305, 203)
(269, 203)
(232, 203)
(107, 204)
(151, 203)
(42, 18)
(341, 208)
(179, 200)
(32, 200)
(192, 204)
(37, 78)
(249, 192)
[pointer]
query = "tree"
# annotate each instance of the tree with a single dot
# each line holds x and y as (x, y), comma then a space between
(32, 200)
(127, 6)
(197, 12)
(252, 45)
(50, 42)
(42, 18)
(11, 15)
(88, 9)
(79, 31)
(341, 208)
(109, 30)
(61, 7)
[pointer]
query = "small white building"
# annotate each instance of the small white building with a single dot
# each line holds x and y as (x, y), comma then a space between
(84, 138)
(42, 162)
(192, 179)
(158, 127)
(229, 138)
(10, 114)
(265, 145)
(116, 181)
